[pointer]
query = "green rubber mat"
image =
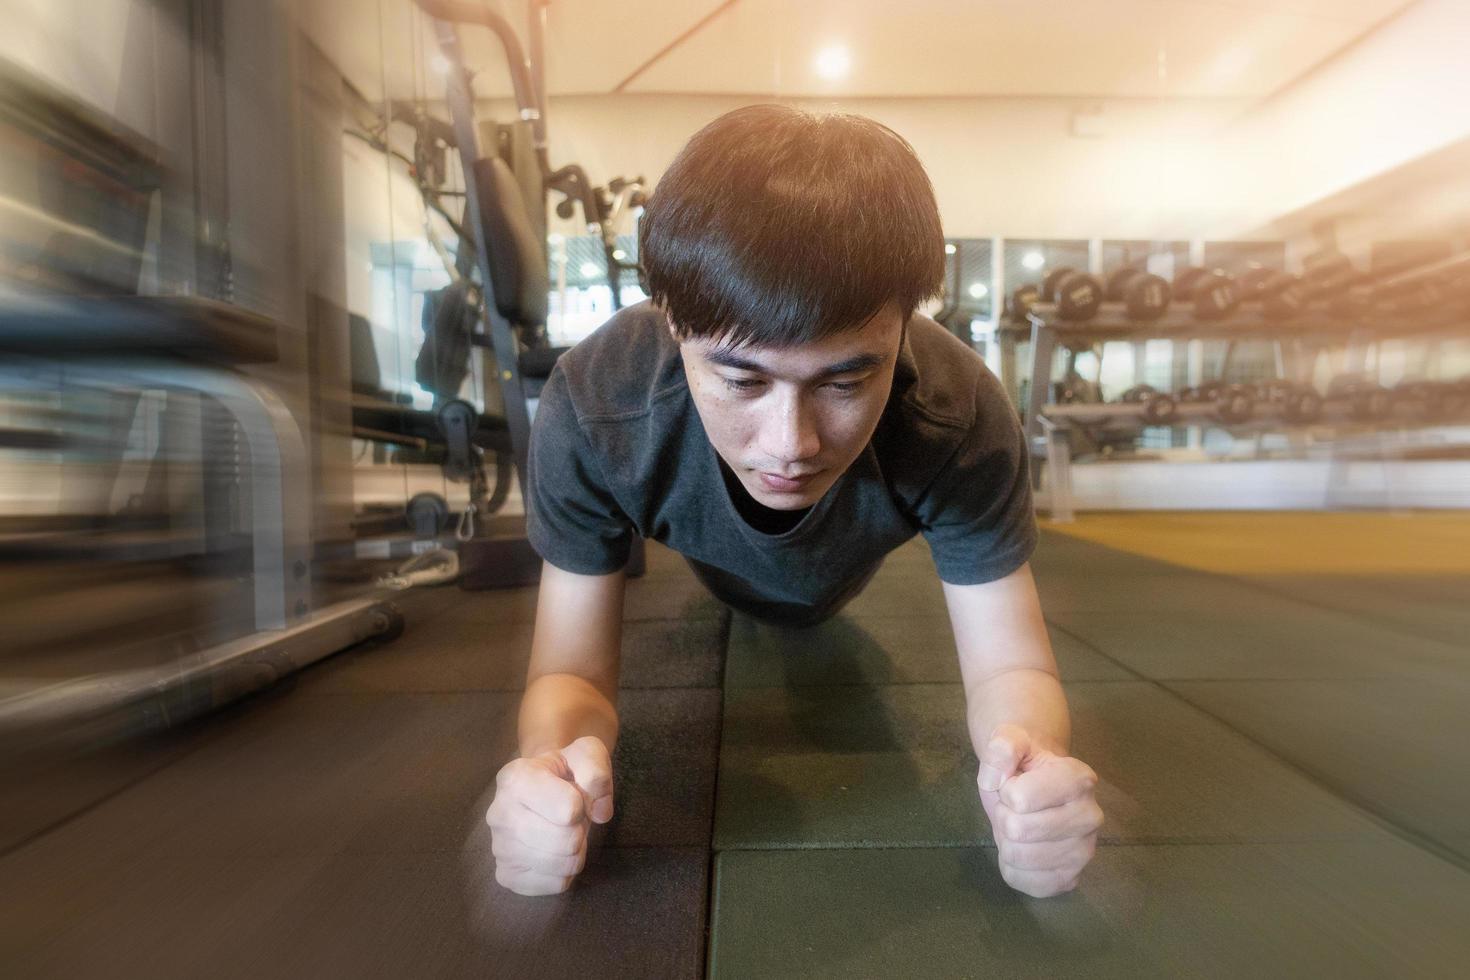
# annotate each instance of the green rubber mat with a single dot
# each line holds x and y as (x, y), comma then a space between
(892, 766)
(1400, 748)
(466, 652)
(874, 650)
(1341, 909)
(1433, 606)
(1274, 638)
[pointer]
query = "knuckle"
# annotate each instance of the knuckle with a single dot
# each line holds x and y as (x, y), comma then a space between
(557, 865)
(510, 774)
(1016, 828)
(564, 841)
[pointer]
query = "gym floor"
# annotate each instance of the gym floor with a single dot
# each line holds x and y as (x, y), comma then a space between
(1274, 703)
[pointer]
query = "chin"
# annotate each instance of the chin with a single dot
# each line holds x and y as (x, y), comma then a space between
(805, 497)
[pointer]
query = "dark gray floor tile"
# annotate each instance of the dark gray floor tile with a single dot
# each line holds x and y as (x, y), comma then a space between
(850, 649)
(1434, 606)
(1401, 748)
(892, 766)
(44, 787)
(1171, 773)
(1279, 639)
(670, 597)
(855, 765)
(1074, 576)
(1282, 910)
(461, 652)
(632, 913)
(667, 756)
(501, 606)
(359, 773)
(901, 589)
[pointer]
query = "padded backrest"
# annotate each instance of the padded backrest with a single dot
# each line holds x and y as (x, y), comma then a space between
(367, 379)
(517, 255)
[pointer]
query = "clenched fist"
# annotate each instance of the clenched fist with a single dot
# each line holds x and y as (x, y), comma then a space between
(541, 813)
(1041, 810)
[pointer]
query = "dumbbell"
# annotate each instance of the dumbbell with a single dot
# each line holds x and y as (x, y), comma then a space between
(1145, 295)
(1367, 401)
(1281, 296)
(1332, 278)
(1298, 404)
(1158, 408)
(1417, 296)
(1076, 294)
(1211, 293)
(1023, 298)
(1434, 401)
(1233, 403)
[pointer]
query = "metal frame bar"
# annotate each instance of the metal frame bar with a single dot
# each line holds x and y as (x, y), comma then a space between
(507, 350)
(280, 534)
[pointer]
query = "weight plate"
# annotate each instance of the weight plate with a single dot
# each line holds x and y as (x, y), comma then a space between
(1303, 406)
(1184, 282)
(1283, 297)
(1160, 410)
(1234, 404)
(1254, 280)
(1053, 278)
(1215, 296)
(1147, 296)
(1078, 296)
(1023, 299)
(1118, 281)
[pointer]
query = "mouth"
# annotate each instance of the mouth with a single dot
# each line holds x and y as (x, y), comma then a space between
(776, 483)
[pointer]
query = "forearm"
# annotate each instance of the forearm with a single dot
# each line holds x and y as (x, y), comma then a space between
(558, 709)
(1029, 698)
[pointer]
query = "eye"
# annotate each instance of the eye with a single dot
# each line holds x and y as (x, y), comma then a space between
(845, 387)
(744, 385)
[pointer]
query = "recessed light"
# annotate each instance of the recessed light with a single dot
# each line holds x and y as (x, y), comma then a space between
(833, 61)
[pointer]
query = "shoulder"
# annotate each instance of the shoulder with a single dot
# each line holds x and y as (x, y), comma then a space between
(623, 367)
(946, 382)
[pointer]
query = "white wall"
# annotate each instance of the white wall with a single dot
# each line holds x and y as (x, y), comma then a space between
(1008, 167)
(101, 51)
(1395, 96)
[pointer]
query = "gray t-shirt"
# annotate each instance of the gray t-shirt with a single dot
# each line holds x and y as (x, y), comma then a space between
(618, 447)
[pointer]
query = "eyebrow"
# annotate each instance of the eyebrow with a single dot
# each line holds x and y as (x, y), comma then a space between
(730, 359)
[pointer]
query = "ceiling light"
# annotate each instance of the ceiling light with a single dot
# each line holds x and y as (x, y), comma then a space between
(619, 254)
(589, 269)
(556, 238)
(833, 62)
(978, 290)
(949, 249)
(1033, 261)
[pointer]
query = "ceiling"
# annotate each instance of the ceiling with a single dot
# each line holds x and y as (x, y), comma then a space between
(918, 48)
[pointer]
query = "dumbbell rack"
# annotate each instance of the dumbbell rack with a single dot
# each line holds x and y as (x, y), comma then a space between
(1048, 425)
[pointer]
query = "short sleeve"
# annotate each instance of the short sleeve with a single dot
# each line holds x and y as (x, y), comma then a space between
(977, 513)
(572, 518)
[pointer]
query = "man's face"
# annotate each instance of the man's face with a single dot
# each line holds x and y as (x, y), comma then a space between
(789, 421)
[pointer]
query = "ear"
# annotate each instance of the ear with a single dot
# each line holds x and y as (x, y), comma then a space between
(673, 330)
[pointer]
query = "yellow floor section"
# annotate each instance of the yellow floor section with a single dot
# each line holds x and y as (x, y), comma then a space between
(1287, 543)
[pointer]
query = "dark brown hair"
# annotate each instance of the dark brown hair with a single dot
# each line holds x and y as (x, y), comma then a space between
(775, 227)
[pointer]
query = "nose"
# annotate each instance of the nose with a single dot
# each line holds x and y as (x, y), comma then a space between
(789, 434)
